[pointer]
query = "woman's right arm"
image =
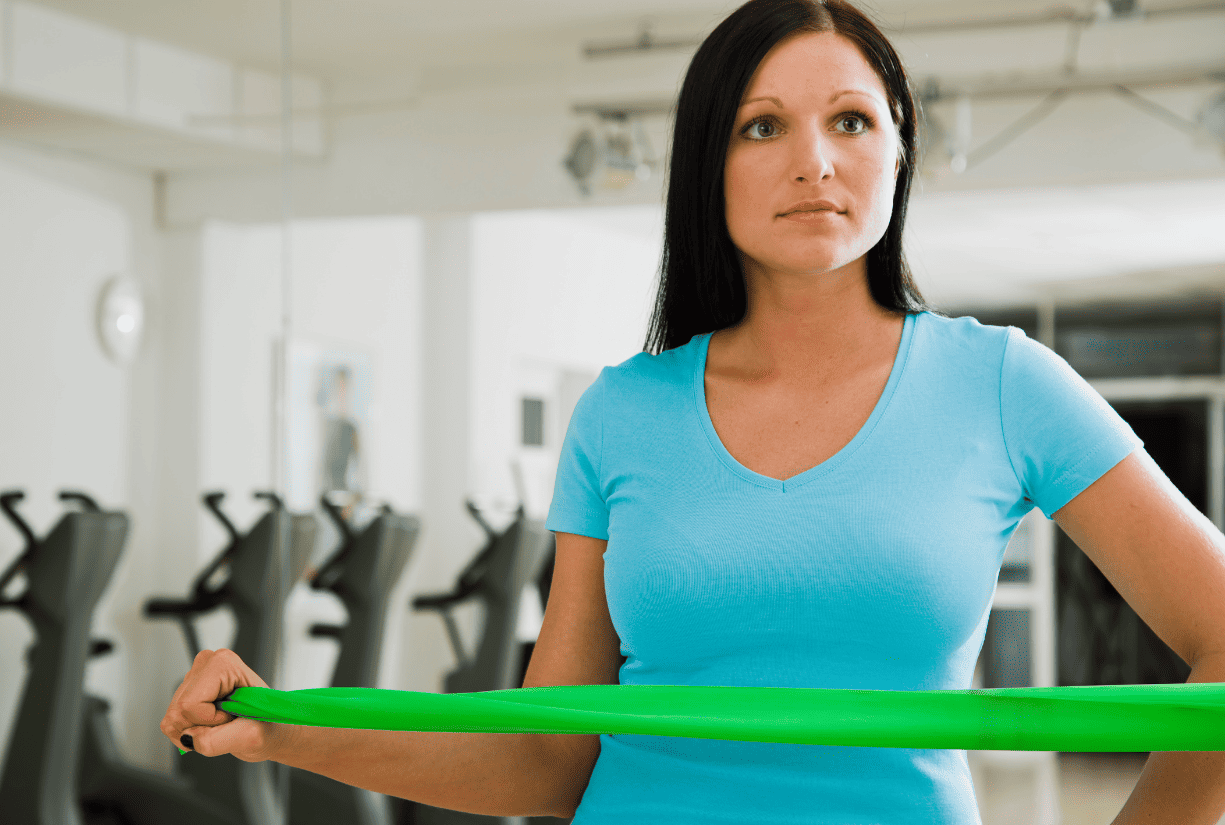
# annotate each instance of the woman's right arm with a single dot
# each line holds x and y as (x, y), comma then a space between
(499, 774)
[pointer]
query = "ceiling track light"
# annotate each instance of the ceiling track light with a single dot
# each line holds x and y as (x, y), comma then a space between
(1212, 118)
(952, 147)
(1122, 8)
(611, 154)
(1129, 10)
(644, 43)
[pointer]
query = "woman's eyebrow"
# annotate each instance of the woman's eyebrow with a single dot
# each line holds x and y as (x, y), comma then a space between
(837, 95)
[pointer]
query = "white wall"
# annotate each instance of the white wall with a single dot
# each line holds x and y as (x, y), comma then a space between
(70, 417)
(556, 292)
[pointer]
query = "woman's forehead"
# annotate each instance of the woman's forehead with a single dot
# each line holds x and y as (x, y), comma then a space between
(814, 62)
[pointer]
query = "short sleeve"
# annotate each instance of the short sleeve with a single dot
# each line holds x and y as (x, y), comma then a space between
(1060, 434)
(578, 506)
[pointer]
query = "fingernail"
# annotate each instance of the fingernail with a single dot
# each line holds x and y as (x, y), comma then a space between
(186, 740)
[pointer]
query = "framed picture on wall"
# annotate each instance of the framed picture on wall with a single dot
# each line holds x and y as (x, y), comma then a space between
(327, 424)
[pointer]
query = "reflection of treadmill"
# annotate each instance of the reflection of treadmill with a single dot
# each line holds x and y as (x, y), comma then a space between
(254, 587)
(66, 574)
(520, 554)
(497, 576)
(362, 573)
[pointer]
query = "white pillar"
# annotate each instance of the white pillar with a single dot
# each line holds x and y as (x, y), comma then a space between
(449, 537)
(175, 334)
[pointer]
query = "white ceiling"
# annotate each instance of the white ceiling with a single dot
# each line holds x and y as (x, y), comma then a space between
(341, 38)
(337, 39)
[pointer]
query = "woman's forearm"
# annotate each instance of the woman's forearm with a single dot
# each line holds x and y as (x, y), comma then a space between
(1181, 787)
(496, 774)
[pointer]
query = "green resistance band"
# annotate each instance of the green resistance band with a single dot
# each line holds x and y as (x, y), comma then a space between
(1163, 717)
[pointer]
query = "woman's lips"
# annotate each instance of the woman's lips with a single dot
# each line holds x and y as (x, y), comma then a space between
(819, 216)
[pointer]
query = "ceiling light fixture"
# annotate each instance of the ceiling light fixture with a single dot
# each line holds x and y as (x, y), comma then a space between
(1212, 118)
(611, 154)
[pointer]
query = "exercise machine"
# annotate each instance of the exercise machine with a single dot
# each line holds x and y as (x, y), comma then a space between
(497, 577)
(114, 792)
(66, 573)
(362, 572)
(252, 576)
(63, 767)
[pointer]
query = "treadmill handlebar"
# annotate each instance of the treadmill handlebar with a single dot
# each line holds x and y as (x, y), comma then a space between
(473, 575)
(476, 514)
(442, 601)
(201, 591)
(213, 502)
(326, 631)
(204, 598)
(338, 517)
(7, 502)
(330, 571)
(156, 608)
(87, 502)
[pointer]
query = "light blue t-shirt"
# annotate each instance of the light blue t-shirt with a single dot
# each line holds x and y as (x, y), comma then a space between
(873, 570)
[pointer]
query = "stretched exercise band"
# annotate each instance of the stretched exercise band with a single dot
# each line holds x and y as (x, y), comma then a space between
(1162, 717)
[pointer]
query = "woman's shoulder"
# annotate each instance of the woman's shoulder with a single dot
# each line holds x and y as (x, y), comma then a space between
(648, 366)
(965, 332)
(652, 382)
(963, 324)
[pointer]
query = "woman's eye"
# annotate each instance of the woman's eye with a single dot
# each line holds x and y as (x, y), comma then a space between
(755, 123)
(863, 122)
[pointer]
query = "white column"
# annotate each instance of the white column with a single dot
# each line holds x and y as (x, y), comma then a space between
(175, 334)
(449, 537)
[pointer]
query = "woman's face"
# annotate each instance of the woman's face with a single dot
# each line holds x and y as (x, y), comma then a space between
(826, 136)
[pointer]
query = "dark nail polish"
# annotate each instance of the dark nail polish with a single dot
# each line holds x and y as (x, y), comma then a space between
(186, 740)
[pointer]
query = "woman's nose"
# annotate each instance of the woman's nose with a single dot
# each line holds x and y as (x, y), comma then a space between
(812, 157)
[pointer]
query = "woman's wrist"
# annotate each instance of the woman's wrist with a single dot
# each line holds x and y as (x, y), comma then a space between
(282, 743)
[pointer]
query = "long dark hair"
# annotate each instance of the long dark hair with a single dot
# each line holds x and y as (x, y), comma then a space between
(701, 286)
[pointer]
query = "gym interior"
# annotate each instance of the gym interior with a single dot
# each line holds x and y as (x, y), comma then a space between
(298, 299)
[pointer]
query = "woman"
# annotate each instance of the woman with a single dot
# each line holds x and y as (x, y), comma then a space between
(807, 480)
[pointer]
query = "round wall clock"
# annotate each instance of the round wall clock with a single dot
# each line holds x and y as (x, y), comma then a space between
(121, 318)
